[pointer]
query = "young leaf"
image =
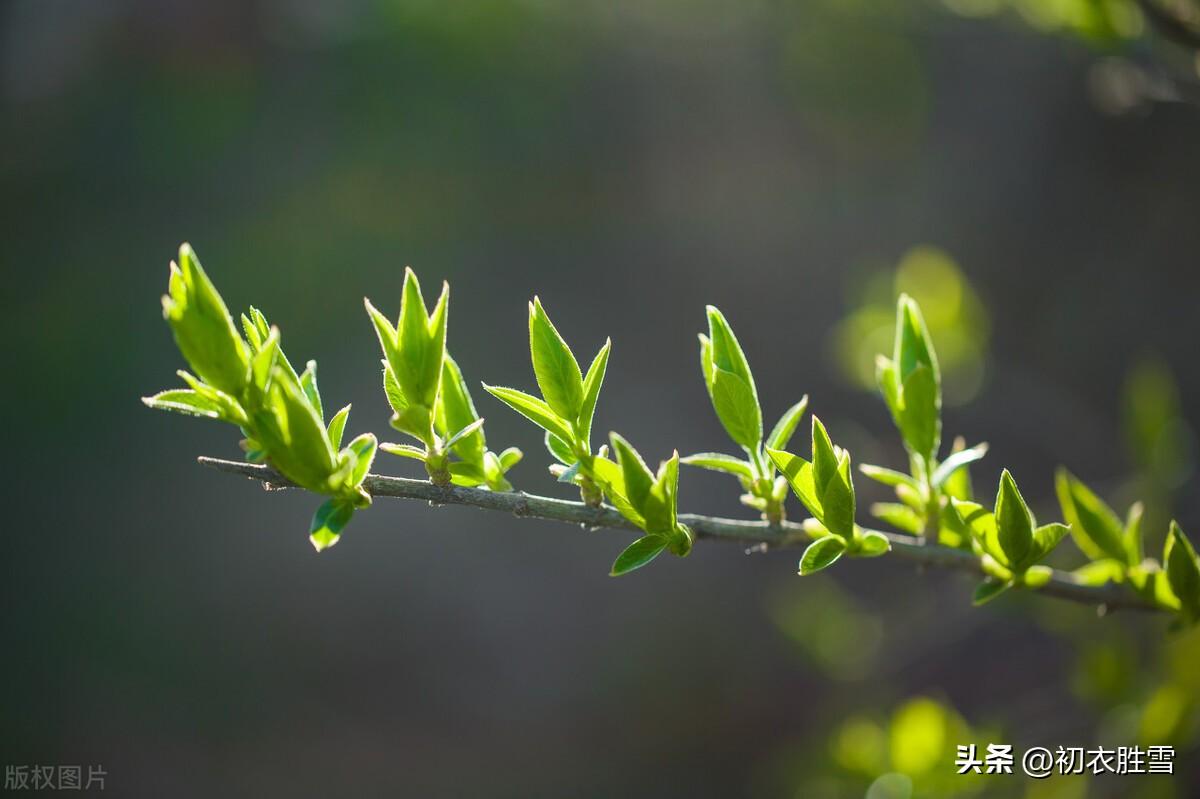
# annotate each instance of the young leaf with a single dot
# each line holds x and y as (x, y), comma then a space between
(203, 328)
(384, 330)
(554, 365)
(1183, 571)
(799, 474)
(419, 344)
(837, 501)
(888, 477)
(956, 461)
(337, 427)
(469, 430)
(637, 476)
(1037, 576)
(873, 544)
(730, 383)
(781, 434)
(899, 516)
(308, 382)
(1046, 538)
(989, 589)
(1014, 523)
(911, 382)
(591, 392)
(737, 407)
(184, 401)
(363, 448)
(1132, 538)
(466, 474)
(533, 409)
(821, 554)
(560, 449)
(982, 526)
(456, 411)
(509, 458)
(1096, 528)
(638, 554)
(660, 507)
(824, 459)
(717, 462)
(328, 522)
(404, 451)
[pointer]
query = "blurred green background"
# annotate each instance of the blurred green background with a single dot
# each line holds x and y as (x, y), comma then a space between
(1028, 169)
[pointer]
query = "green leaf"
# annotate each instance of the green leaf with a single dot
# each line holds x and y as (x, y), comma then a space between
(328, 522)
(203, 328)
(737, 407)
(559, 449)
(554, 365)
(509, 458)
(295, 437)
(184, 401)
(337, 427)
(899, 516)
(638, 478)
(821, 554)
(837, 501)
(493, 472)
(1132, 538)
(264, 360)
(824, 458)
(1183, 570)
(958, 483)
(1046, 538)
(982, 526)
(404, 451)
(730, 383)
(393, 392)
(873, 544)
(799, 474)
(363, 448)
(705, 358)
(988, 590)
(384, 330)
(467, 474)
(421, 344)
(1099, 572)
(956, 461)
(888, 477)
(1094, 525)
(726, 351)
(1014, 523)
(456, 411)
(660, 508)
(591, 392)
(308, 382)
(1037, 576)
(469, 430)
(638, 554)
(533, 409)
(781, 434)
(717, 462)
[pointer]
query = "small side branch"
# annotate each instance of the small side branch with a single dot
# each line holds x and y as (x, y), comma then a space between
(747, 533)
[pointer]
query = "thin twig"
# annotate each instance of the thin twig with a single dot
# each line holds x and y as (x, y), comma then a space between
(748, 533)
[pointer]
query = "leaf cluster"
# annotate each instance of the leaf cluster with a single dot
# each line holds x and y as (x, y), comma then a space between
(249, 382)
(244, 378)
(429, 398)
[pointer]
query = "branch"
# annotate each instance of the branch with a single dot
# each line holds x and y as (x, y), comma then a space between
(754, 534)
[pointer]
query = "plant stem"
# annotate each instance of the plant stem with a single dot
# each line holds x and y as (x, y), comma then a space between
(755, 534)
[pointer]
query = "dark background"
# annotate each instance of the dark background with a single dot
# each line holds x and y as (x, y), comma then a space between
(628, 162)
